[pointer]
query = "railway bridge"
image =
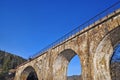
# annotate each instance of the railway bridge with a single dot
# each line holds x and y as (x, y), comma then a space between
(94, 45)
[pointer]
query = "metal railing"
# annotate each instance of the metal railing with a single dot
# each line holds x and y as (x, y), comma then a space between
(99, 16)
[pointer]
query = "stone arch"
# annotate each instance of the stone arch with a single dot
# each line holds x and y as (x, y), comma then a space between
(61, 64)
(29, 73)
(104, 53)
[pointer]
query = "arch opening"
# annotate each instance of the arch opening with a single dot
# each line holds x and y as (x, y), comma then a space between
(74, 69)
(115, 63)
(61, 65)
(32, 76)
(29, 74)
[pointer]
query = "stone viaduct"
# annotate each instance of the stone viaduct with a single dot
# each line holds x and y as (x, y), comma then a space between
(94, 45)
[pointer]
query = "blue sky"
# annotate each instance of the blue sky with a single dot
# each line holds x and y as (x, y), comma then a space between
(116, 54)
(74, 67)
(27, 26)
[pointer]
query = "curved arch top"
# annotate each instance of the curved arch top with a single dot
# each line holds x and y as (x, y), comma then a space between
(29, 73)
(68, 54)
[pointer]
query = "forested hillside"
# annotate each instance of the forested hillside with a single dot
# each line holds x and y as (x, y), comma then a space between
(8, 62)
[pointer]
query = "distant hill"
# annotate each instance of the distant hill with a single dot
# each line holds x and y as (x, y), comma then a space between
(8, 63)
(74, 77)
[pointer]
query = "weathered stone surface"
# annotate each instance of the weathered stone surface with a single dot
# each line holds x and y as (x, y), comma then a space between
(115, 70)
(94, 46)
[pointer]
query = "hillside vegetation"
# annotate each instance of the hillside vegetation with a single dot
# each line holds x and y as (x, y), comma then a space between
(8, 63)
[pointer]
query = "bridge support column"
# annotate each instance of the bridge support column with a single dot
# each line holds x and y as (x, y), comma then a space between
(83, 51)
